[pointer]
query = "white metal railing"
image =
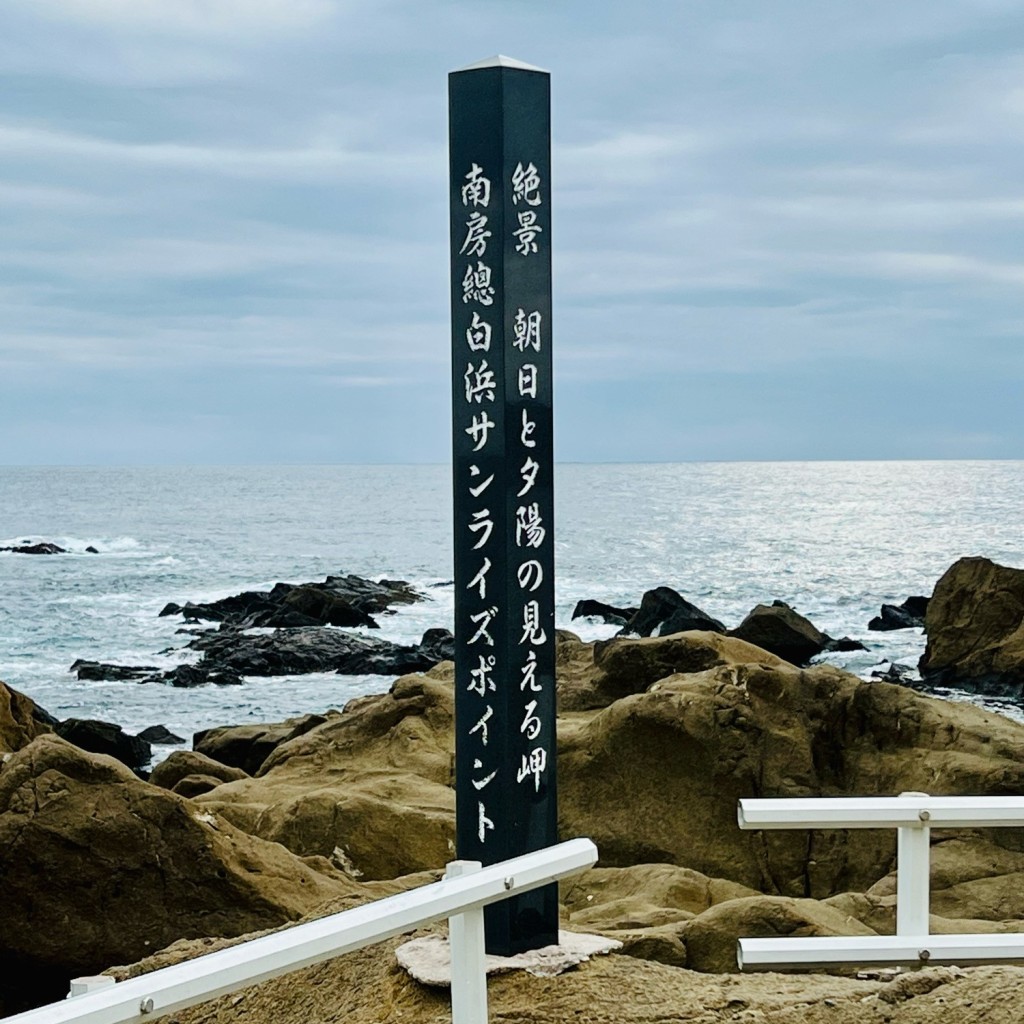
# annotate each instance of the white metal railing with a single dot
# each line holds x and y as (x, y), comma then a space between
(913, 815)
(461, 896)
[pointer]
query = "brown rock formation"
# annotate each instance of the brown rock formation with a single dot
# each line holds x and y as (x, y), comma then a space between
(21, 719)
(975, 627)
(182, 763)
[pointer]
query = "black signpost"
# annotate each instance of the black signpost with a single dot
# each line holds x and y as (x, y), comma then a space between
(500, 202)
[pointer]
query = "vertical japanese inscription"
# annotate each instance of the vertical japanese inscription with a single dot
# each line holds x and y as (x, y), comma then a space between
(503, 485)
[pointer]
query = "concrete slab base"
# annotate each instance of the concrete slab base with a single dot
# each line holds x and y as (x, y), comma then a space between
(428, 960)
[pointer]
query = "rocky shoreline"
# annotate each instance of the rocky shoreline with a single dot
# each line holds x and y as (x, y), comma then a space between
(659, 735)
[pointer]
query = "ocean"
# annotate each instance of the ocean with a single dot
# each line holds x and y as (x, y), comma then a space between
(833, 539)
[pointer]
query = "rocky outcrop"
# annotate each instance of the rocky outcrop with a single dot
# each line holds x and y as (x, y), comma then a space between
(246, 747)
(183, 763)
(21, 719)
(664, 611)
(370, 788)
(975, 627)
(106, 738)
(783, 631)
(160, 734)
(317, 649)
(100, 868)
(42, 548)
(338, 601)
(98, 671)
(909, 615)
(656, 775)
(589, 609)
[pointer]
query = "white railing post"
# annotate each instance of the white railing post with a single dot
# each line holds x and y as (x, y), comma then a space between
(90, 983)
(913, 868)
(469, 967)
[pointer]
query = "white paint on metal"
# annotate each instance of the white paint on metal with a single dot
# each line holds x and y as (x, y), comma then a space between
(215, 974)
(468, 955)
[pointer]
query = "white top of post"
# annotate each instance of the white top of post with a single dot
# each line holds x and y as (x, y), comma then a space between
(501, 61)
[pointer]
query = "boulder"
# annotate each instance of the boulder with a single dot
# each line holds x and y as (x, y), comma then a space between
(21, 719)
(160, 734)
(588, 609)
(663, 611)
(595, 675)
(100, 868)
(246, 747)
(106, 738)
(782, 631)
(370, 788)
(182, 763)
(910, 614)
(99, 671)
(196, 785)
(975, 627)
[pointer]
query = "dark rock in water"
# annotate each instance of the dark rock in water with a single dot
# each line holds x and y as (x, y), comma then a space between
(170, 609)
(663, 612)
(438, 644)
(845, 643)
(338, 601)
(244, 748)
(99, 671)
(782, 631)
(975, 628)
(313, 649)
(895, 673)
(606, 612)
(909, 615)
(44, 548)
(202, 674)
(160, 734)
(106, 738)
(90, 550)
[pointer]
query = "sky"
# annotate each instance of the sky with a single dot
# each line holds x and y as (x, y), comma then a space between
(783, 229)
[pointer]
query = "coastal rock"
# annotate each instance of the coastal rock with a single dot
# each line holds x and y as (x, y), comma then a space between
(106, 738)
(245, 747)
(370, 788)
(663, 611)
(100, 868)
(338, 601)
(201, 674)
(21, 719)
(182, 763)
(595, 675)
(315, 649)
(784, 632)
(656, 776)
(975, 628)
(910, 614)
(844, 643)
(605, 612)
(196, 785)
(160, 734)
(43, 548)
(99, 671)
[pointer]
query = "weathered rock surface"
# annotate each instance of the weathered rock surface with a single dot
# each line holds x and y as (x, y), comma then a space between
(106, 738)
(975, 627)
(911, 614)
(370, 788)
(99, 671)
(21, 719)
(318, 649)
(338, 601)
(606, 612)
(783, 631)
(100, 868)
(182, 763)
(664, 611)
(656, 776)
(246, 747)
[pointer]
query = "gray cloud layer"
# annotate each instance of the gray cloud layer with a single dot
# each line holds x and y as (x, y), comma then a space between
(785, 230)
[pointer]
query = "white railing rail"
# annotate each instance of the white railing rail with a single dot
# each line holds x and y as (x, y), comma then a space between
(461, 896)
(913, 815)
